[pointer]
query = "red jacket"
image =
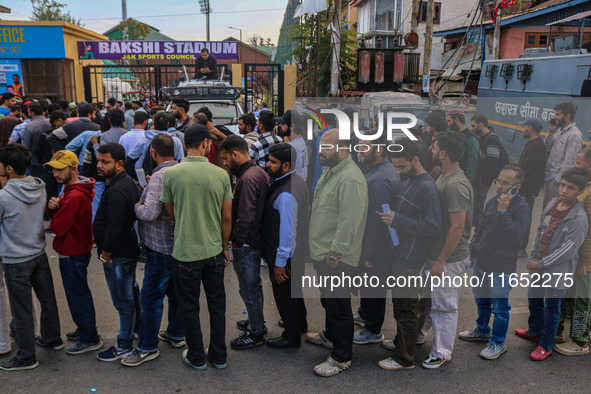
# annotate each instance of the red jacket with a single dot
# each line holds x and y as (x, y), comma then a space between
(72, 221)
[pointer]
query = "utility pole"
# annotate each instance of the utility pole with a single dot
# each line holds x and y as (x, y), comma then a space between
(206, 9)
(428, 38)
(336, 49)
(414, 21)
(124, 19)
(497, 36)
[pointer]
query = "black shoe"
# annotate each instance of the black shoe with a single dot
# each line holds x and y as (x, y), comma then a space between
(73, 336)
(16, 365)
(58, 344)
(303, 330)
(243, 325)
(246, 340)
(281, 342)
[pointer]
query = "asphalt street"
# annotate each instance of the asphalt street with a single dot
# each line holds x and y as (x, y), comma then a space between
(263, 369)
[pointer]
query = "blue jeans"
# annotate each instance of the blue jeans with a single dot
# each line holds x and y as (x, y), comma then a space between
(492, 297)
(74, 279)
(544, 314)
(120, 276)
(247, 264)
(99, 188)
(157, 275)
(188, 276)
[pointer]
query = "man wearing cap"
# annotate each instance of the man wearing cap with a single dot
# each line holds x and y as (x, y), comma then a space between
(291, 127)
(456, 121)
(532, 162)
(71, 215)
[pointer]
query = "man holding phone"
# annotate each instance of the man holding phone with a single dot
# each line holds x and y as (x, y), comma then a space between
(156, 230)
(495, 250)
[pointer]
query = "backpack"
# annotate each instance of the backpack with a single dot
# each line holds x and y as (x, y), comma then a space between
(148, 164)
(503, 155)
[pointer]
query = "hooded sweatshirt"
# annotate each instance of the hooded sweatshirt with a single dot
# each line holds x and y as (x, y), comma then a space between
(72, 221)
(22, 202)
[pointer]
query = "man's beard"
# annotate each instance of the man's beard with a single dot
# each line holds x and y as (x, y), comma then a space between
(233, 167)
(282, 133)
(436, 161)
(177, 115)
(330, 161)
(454, 127)
(274, 174)
(412, 172)
(109, 174)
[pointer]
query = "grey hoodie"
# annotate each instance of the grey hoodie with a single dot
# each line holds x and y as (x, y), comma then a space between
(563, 253)
(22, 202)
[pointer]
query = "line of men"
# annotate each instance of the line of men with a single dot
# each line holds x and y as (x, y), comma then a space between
(432, 218)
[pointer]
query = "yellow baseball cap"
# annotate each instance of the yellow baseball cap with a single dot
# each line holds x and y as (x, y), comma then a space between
(62, 159)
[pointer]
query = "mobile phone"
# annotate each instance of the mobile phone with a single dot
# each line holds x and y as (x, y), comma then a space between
(512, 192)
(141, 177)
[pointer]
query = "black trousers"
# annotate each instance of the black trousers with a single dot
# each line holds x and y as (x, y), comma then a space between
(292, 310)
(21, 279)
(405, 302)
(339, 316)
(187, 277)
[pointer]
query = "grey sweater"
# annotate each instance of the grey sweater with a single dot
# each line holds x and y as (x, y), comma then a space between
(22, 202)
(563, 253)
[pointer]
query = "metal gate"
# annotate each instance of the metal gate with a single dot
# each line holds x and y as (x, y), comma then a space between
(135, 82)
(263, 82)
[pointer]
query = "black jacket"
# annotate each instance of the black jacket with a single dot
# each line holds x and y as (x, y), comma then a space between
(210, 63)
(250, 194)
(113, 224)
(56, 139)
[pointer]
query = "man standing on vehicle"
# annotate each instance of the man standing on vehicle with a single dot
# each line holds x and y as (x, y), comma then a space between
(206, 66)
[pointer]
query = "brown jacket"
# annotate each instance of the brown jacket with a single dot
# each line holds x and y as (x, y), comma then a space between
(250, 194)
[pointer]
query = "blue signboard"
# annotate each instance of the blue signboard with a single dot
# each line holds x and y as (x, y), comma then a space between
(32, 42)
(11, 77)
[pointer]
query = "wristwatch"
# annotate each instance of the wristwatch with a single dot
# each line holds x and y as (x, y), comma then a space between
(105, 261)
(333, 259)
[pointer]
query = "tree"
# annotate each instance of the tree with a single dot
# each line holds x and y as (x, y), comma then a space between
(313, 54)
(51, 10)
(136, 30)
(257, 41)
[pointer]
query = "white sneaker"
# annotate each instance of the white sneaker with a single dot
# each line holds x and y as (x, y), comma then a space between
(392, 365)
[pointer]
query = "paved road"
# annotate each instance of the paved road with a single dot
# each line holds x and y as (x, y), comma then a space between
(264, 369)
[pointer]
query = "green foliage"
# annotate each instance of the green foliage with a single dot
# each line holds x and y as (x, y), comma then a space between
(135, 30)
(313, 54)
(258, 41)
(51, 10)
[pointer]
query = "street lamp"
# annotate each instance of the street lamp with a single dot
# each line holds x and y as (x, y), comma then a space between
(205, 9)
(240, 30)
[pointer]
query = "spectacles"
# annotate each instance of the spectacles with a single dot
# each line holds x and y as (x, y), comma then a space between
(503, 184)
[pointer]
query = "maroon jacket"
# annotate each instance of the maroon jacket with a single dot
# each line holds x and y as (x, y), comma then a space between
(248, 204)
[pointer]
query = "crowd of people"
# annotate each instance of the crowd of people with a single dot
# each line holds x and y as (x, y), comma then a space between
(194, 198)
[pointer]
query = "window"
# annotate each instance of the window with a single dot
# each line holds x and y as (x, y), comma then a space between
(51, 78)
(423, 12)
(536, 40)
